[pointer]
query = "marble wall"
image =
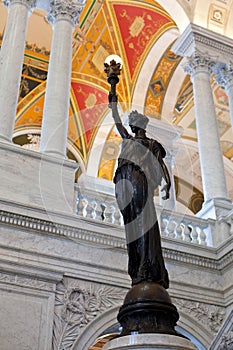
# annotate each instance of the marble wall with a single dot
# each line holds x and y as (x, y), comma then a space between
(63, 284)
(64, 276)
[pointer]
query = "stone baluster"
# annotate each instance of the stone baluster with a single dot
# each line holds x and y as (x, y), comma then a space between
(171, 229)
(164, 226)
(224, 78)
(94, 205)
(202, 236)
(112, 211)
(187, 233)
(170, 203)
(64, 16)
(179, 232)
(103, 211)
(194, 235)
(84, 202)
(11, 62)
(119, 218)
(212, 169)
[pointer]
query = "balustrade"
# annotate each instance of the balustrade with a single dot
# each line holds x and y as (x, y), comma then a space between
(173, 225)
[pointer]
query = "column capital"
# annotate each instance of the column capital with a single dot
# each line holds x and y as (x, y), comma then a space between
(199, 62)
(224, 75)
(30, 4)
(69, 10)
(205, 40)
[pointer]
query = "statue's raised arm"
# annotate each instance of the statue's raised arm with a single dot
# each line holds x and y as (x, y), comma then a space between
(112, 98)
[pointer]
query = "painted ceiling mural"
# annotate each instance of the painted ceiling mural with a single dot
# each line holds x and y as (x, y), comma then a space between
(129, 29)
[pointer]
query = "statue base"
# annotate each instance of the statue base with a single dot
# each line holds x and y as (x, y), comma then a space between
(149, 342)
(147, 308)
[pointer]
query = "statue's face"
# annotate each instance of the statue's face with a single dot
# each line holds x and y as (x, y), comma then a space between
(133, 128)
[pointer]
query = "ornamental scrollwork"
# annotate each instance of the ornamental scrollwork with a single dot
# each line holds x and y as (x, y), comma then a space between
(68, 9)
(226, 342)
(224, 76)
(211, 316)
(31, 4)
(197, 62)
(18, 280)
(76, 305)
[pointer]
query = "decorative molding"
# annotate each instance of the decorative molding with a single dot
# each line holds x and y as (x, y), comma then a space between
(198, 62)
(92, 237)
(224, 339)
(200, 261)
(227, 341)
(69, 10)
(76, 305)
(211, 316)
(204, 40)
(226, 260)
(224, 76)
(30, 4)
(25, 282)
(70, 232)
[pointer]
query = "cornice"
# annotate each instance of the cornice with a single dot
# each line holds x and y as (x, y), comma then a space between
(83, 235)
(196, 38)
(42, 157)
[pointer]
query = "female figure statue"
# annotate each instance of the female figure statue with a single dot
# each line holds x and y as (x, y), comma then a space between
(140, 171)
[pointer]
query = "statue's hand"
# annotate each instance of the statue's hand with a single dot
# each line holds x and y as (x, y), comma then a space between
(112, 99)
(166, 188)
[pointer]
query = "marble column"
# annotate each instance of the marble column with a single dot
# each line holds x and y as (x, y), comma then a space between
(63, 16)
(171, 202)
(11, 61)
(211, 160)
(224, 78)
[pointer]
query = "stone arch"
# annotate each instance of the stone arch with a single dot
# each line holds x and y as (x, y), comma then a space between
(95, 328)
(177, 12)
(147, 69)
(196, 329)
(188, 325)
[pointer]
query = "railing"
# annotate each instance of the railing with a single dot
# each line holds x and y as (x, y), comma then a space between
(97, 206)
(102, 207)
(185, 227)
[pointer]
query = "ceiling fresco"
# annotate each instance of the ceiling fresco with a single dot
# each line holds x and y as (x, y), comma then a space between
(129, 29)
(159, 83)
(125, 28)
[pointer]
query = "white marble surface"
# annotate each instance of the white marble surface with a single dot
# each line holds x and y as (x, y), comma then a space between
(211, 159)
(149, 342)
(31, 178)
(201, 57)
(26, 317)
(197, 288)
(11, 61)
(57, 96)
(34, 251)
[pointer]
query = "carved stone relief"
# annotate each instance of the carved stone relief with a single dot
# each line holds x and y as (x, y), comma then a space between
(25, 282)
(77, 304)
(227, 342)
(211, 316)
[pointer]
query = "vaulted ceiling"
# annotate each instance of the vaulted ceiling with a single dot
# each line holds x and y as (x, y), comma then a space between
(152, 79)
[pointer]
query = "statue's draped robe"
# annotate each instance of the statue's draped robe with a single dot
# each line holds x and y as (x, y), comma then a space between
(137, 176)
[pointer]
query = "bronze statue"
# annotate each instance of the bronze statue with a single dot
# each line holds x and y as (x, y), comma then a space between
(140, 171)
(147, 307)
